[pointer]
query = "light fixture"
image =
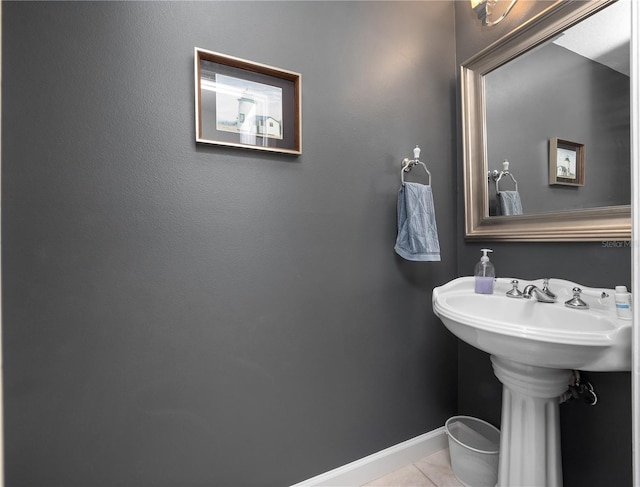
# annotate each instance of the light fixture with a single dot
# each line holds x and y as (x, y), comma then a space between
(485, 10)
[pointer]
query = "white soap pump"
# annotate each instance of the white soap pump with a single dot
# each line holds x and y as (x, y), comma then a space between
(484, 274)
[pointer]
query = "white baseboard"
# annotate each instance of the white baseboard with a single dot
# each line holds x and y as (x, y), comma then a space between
(381, 463)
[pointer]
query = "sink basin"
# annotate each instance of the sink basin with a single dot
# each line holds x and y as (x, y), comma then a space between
(534, 347)
(538, 334)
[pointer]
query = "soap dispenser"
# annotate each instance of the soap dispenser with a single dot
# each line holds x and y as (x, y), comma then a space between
(484, 274)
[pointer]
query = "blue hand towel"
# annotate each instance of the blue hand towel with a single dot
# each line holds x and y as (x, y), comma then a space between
(417, 233)
(509, 203)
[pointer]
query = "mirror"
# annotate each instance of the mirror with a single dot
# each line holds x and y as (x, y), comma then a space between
(568, 152)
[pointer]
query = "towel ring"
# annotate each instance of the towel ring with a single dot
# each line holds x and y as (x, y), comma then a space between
(505, 173)
(407, 167)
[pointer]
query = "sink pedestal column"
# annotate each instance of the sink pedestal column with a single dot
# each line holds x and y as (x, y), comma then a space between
(530, 429)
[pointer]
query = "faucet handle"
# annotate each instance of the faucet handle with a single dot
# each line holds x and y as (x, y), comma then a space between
(576, 302)
(515, 292)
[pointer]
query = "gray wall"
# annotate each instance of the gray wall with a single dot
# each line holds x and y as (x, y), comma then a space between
(596, 441)
(178, 314)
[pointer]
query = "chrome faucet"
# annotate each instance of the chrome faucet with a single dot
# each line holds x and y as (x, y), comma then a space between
(546, 290)
(542, 295)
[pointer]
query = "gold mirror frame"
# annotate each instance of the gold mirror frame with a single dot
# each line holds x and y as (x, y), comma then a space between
(593, 224)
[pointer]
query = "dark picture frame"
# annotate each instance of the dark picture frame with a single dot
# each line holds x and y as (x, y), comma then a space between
(566, 162)
(244, 104)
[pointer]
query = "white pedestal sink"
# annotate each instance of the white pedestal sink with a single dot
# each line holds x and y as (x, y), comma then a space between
(534, 347)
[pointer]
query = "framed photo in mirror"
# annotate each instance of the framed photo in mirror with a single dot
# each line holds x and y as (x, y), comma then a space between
(566, 162)
(244, 104)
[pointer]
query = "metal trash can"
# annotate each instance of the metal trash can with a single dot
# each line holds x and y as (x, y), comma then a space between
(474, 447)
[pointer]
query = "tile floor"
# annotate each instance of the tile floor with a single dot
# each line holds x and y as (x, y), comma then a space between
(432, 471)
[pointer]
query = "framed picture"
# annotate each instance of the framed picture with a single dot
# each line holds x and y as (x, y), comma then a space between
(244, 104)
(566, 162)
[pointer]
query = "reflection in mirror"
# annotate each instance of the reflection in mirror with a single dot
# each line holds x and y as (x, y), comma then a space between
(545, 100)
(572, 89)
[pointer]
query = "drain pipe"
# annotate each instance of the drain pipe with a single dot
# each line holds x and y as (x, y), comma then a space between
(579, 388)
